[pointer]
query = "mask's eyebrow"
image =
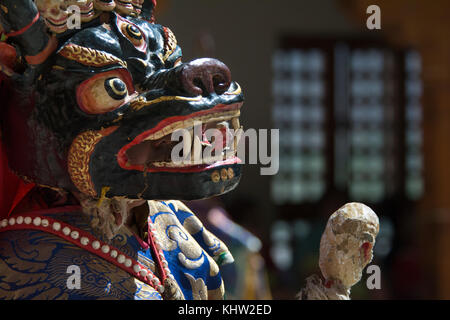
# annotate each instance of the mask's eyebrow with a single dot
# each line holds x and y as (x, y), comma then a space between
(89, 57)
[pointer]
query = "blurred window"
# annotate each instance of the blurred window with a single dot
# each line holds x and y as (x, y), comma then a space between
(298, 90)
(350, 119)
(413, 118)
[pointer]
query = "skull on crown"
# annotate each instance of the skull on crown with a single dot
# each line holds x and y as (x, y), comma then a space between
(55, 14)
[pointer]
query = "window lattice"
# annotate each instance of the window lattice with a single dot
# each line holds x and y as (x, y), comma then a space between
(413, 93)
(375, 113)
(299, 91)
(367, 125)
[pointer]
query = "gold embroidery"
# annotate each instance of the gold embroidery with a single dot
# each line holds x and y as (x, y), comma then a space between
(217, 294)
(176, 235)
(89, 57)
(173, 236)
(214, 244)
(192, 224)
(156, 207)
(35, 267)
(79, 156)
(199, 290)
(190, 264)
(213, 267)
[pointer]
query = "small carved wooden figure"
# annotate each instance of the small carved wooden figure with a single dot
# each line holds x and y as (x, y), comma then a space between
(345, 250)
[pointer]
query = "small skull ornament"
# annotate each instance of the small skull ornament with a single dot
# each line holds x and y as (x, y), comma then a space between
(345, 250)
(124, 7)
(104, 5)
(86, 8)
(346, 245)
(55, 14)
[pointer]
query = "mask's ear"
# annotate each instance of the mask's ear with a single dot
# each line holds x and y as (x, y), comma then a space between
(147, 10)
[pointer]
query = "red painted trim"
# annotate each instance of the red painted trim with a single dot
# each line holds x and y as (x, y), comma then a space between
(155, 251)
(24, 29)
(44, 54)
(122, 158)
(23, 190)
(77, 242)
(49, 211)
(142, 243)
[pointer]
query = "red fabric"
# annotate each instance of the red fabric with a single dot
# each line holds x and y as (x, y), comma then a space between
(12, 188)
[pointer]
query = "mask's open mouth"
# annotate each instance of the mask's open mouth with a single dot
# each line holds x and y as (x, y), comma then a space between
(203, 148)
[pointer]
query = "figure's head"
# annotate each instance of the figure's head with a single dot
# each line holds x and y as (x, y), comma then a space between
(347, 243)
(90, 123)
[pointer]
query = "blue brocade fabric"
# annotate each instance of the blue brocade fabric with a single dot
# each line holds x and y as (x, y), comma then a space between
(34, 264)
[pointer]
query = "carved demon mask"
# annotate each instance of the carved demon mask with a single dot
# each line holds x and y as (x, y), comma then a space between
(97, 114)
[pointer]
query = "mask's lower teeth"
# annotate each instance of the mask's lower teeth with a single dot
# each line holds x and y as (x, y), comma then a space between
(198, 145)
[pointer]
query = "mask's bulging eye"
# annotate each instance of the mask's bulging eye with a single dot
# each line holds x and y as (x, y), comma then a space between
(105, 92)
(116, 88)
(133, 34)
